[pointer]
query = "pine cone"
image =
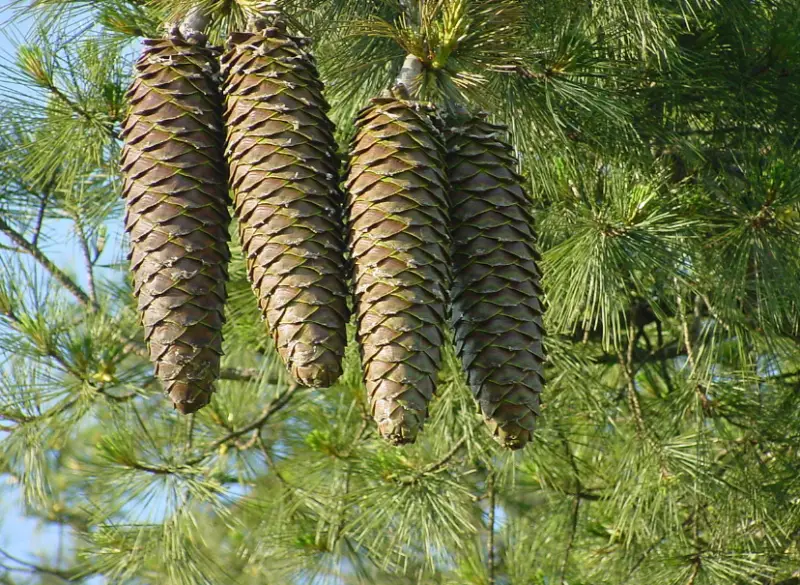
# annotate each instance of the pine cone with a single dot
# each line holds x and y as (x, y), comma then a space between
(176, 195)
(398, 239)
(284, 174)
(497, 314)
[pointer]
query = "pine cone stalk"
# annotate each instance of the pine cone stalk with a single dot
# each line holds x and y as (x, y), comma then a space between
(497, 312)
(398, 240)
(284, 176)
(175, 189)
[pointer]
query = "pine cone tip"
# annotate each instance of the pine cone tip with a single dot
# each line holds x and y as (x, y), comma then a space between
(397, 435)
(400, 428)
(188, 399)
(512, 433)
(512, 436)
(317, 375)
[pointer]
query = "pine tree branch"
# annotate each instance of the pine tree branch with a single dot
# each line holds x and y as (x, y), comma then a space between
(432, 467)
(695, 570)
(87, 260)
(241, 374)
(490, 541)
(37, 228)
(79, 110)
(640, 560)
(437, 465)
(272, 407)
(409, 72)
(641, 356)
(27, 566)
(626, 364)
(685, 330)
(47, 264)
(281, 478)
(575, 508)
(49, 350)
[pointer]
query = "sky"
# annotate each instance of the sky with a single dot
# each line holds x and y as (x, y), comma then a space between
(26, 538)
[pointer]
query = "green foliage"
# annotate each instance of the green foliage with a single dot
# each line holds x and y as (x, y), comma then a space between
(659, 141)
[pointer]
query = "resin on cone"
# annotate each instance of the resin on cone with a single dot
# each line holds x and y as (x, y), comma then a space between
(496, 297)
(284, 176)
(398, 240)
(175, 189)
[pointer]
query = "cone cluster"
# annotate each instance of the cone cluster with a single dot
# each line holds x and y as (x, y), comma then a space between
(437, 228)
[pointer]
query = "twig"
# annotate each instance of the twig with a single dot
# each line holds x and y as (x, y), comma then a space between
(239, 374)
(685, 329)
(360, 434)
(190, 432)
(575, 508)
(87, 259)
(665, 352)
(76, 108)
(695, 571)
(626, 363)
(412, 67)
(68, 576)
(37, 228)
(690, 355)
(47, 264)
(640, 560)
(431, 468)
(274, 468)
(270, 409)
(490, 543)
(437, 465)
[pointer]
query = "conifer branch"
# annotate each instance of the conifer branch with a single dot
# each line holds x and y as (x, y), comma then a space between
(432, 467)
(695, 570)
(241, 374)
(490, 540)
(626, 365)
(437, 465)
(27, 566)
(37, 227)
(575, 508)
(409, 72)
(281, 478)
(79, 110)
(685, 330)
(272, 407)
(87, 259)
(35, 252)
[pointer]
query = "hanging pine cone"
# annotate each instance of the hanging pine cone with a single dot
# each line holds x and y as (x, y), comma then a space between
(176, 194)
(497, 314)
(398, 239)
(284, 175)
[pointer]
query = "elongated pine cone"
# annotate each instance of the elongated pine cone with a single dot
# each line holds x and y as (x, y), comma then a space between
(284, 175)
(497, 313)
(175, 188)
(398, 240)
